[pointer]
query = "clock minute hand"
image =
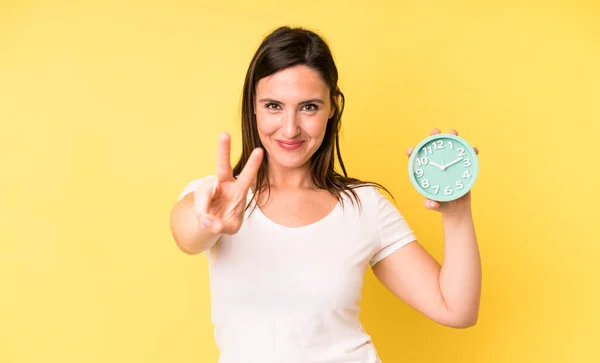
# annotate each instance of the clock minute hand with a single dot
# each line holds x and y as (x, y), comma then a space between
(453, 162)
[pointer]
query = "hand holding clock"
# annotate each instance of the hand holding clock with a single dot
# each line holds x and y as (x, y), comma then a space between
(446, 189)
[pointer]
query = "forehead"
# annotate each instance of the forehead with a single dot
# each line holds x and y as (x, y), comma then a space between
(292, 84)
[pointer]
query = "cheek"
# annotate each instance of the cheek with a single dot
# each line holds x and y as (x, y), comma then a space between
(316, 127)
(267, 123)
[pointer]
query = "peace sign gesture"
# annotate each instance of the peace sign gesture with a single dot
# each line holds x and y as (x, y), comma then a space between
(220, 200)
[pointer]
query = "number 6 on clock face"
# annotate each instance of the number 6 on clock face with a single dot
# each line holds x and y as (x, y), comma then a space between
(443, 167)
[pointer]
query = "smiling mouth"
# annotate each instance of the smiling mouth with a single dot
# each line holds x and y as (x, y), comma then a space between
(287, 145)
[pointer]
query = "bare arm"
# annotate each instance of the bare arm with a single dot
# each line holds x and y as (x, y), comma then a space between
(190, 237)
(448, 294)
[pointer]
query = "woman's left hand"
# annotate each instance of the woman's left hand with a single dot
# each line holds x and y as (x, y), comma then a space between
(462, 204)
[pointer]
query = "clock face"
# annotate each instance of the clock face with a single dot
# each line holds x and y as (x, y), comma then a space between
(443, 167)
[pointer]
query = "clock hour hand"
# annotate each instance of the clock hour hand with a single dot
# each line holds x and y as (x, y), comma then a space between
(453, 162)
(435, 164)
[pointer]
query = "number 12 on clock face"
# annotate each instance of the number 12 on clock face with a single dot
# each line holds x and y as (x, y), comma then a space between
(443, 167)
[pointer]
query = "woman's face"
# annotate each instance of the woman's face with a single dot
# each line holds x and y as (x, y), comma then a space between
(292, 108)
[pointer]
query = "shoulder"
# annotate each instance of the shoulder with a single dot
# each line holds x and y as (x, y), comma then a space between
(369, 194)
(377, 202)
(366, 202)
(190, 186)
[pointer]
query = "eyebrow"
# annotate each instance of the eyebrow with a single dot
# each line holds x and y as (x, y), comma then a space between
(312, 100)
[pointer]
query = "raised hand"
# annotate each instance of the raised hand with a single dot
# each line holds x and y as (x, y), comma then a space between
(220, 200)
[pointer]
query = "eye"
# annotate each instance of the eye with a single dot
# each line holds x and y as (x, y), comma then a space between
(310, 107)
(272, 106)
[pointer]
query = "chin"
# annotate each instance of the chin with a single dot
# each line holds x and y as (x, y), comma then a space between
(289, 161)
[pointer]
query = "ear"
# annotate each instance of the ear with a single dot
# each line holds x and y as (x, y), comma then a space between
(334, 104)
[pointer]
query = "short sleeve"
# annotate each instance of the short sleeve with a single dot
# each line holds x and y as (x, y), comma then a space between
(190, 187)
(394, 231)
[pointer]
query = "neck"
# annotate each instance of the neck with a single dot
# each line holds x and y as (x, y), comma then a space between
(284, 178)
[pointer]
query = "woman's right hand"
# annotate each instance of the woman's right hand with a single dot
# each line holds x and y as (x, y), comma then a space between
(220, 200)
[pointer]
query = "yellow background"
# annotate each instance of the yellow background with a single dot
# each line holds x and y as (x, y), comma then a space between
(108, 108)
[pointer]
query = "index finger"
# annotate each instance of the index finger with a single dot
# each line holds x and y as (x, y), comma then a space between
(224, 172)
(251, 168)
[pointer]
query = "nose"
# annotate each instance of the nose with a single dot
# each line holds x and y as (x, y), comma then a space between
(291, 126)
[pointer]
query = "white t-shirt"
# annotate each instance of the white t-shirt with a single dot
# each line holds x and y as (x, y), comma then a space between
(291, 295)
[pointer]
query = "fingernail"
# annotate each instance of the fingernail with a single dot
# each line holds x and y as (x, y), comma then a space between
(205, 222)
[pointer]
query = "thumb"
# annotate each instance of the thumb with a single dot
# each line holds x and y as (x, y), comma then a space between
(430, 204)
(211, 223)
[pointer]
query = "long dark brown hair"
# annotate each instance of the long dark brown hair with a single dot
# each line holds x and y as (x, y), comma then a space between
(283, 48)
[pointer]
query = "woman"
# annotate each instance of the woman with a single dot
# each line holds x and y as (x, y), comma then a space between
(289, 239)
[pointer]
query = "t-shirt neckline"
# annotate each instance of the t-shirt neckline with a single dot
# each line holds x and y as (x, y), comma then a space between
(317, 223)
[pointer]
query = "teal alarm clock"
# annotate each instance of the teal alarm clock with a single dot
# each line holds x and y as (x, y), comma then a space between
(443, 167)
